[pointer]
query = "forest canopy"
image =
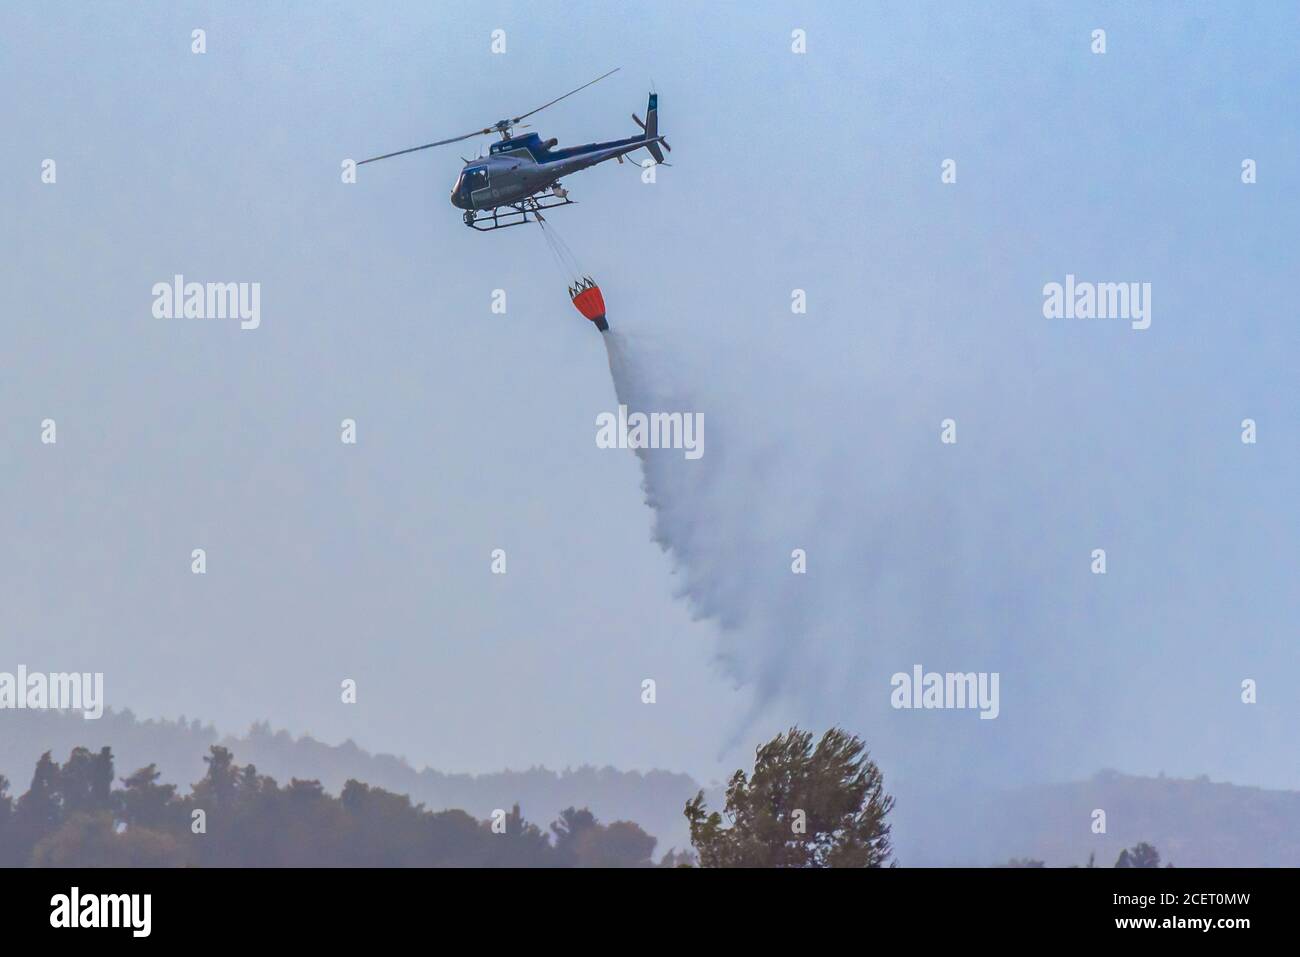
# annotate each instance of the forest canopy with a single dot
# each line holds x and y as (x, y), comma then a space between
(76, 815)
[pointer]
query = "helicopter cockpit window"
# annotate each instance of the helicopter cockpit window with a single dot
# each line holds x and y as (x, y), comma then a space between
(476, 179)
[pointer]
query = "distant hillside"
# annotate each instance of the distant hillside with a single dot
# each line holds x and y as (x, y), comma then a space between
(1193, 822)
(653, 800)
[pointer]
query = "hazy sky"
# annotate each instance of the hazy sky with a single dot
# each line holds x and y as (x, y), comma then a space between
(476, 431)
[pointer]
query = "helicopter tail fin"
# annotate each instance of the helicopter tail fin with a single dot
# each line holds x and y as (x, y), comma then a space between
(651, 128)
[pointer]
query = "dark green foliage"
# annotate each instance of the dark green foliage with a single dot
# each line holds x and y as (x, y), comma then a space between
(6, 819)
(582, 841)
(803, 807)
(177, 748)
(1140, 855)
(72, 816)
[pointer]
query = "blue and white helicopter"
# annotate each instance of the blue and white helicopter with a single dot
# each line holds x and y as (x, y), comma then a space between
(521, 174)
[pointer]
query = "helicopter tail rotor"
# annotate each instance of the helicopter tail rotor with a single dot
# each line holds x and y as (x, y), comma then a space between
(651, 129)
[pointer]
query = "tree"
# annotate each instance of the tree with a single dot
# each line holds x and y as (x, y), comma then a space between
(676, 858)
(582, 841)
(85, 782)
(521, 845)
(618, 844)
(37, 812)
(570, 829)
(145, 802)
(7, 855)
(803, 807)
(91, 840)
(1140, 855)
(218, 785)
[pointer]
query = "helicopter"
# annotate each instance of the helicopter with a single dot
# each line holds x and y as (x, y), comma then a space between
(520, 176)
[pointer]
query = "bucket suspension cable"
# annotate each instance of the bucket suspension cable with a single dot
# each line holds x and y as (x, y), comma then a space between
(551, 248)
(583, 291)
(564, 256)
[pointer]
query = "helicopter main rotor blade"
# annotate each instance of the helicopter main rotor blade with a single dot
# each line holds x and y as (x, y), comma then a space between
(502, 126)
(454, 139)
(570, 93)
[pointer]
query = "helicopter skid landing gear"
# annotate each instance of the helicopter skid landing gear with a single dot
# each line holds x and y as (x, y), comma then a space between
(516, 214)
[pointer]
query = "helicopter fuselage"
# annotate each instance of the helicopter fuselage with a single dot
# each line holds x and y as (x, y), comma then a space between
(521, 174)
(521, 166)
